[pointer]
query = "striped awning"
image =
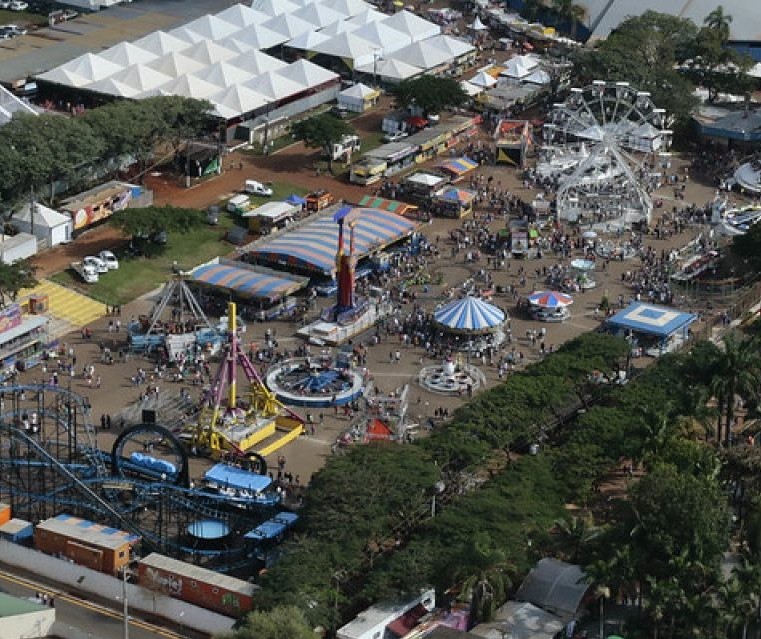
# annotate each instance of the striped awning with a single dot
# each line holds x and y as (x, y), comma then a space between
(312, 247)
(470, 314)
(459, 166)
(247, 282)
(400, 208)
(452, 194)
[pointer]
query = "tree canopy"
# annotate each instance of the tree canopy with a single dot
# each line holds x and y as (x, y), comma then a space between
(283, 622)
(151, 220)
(13, 278)
(321, 132)
(429, 93)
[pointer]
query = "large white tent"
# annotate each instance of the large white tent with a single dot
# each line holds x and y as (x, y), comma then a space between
(391, 71)
(288, 25)
(233, 101)
(422, 54)
(126, 54)
(256, 37)
(348, 47)
(258, 62)
(520, 66)
(242, 15)
(212, 27)
(10, 104)
(306, 41)
(161, 43)
(414, 26)
(175, 65)
(318, 15)
(483, 79)
(275, 86)
(224, 74)
(382, 36)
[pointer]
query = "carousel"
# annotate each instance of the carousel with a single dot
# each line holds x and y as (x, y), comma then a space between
(549, 306)
(470, 324)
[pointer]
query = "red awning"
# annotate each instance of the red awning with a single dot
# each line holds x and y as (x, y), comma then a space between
(377, 429)
(404, 624)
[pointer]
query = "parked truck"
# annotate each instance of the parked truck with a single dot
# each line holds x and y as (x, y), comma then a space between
(86, 271)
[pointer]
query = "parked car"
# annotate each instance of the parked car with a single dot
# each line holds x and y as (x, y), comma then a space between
(95, 262)
(110, 259)
(395, 136)
(18, 5)
(5, 4)
(15, 30)
(257, 188)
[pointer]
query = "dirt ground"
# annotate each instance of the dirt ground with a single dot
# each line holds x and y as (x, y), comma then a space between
(294, 164)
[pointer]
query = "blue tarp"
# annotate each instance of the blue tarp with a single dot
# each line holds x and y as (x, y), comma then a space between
(274, 527)
(651, 320)
(238, 478)
(295, 200)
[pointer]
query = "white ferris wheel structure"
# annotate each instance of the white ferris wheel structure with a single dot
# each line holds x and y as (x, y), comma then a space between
(601, 146)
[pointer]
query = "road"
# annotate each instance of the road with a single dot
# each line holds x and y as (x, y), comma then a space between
(86, 618)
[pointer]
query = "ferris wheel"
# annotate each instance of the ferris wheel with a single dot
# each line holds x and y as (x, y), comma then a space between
(601, 145)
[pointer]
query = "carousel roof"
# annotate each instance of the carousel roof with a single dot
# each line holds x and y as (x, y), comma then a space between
(469, 314)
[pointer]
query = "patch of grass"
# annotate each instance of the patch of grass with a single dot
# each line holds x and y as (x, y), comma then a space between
(22, 18)
(138, 275)
(371, 141)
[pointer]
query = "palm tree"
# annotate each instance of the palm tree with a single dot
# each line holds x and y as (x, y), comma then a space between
(485, 575)
(719, 21)
(737, 371)
(575, 533)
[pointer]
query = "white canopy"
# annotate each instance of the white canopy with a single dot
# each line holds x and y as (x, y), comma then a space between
(288, 25)
(257, 62)
(91, 67)
(274, 7)
(274, 86)
(162, 43)
(339, 26)
(346, 46)
(141, 78)
(477, 25)
(470, 89)
(175, 65)
(209, 52)
(483, 79)
(382, 36)
(236, 101)
(414, 26)
(358, 90)
(212, 27)
(347, 7)
(453, 46)
(191, 37)
(109, 86)
(367, 16)
(391, 70)
(43, 216)
(306, 41)
(520, 66)
(243, 16)
(423, 55)
(10, 104)
(126, 54)
(538, 76)
(307, 74)
(318, 15)
(64, 77)
(224, 74)
(257, 36)
(189, 86)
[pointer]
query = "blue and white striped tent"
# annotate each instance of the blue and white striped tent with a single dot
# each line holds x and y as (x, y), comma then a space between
(470, 315)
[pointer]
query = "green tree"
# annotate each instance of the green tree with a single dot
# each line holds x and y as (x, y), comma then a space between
(321, 132)
(568, 12)
(13, 278)
(283, 622)
(719, 22)
(737, 372)
(429, 93)
(575, 533)
(149, 221)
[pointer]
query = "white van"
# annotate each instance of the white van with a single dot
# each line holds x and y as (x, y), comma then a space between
(257, 188)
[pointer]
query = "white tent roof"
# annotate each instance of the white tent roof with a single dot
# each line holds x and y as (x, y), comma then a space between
(537, 76)
(274, 86)
(161, 43)
(274, 7)
(339, 26)
(257, 36)
(142, 78)
(109, 86)
(257, 62)
(10, 104)
(379, 34)
(318, 15)
(224, 74)
(65, 77)
(367, 16)
(414, 26)
(483, 79)
(423, 55)
(288, 25)
(358, 90)
(189, 86)
(43, 216)
(454, 46)
(91, 67)
(520, 66)
(391, 69)
(175, 64)
(477, 25)
(347, 7)
(471, 89)
(307, 40)
(242, 16)
(236, 101)
(426, 179)
(191, 37)
(345, 45)
(307, 73)
(209, 52)
(126, 54)
(213, 27)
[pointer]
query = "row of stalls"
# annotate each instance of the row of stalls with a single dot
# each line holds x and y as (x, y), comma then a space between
(390, 159)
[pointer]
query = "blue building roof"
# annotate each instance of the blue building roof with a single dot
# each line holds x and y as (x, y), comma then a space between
(651, 320)
(238, 478)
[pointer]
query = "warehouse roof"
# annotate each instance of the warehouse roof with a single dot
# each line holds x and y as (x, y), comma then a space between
(196, 573)
(87, 532)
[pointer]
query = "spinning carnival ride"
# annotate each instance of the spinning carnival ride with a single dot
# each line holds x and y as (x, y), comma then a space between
(598, 143)
(50, 463)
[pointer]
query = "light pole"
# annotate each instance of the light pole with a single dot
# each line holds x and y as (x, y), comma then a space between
(125, 603)
(376, 50)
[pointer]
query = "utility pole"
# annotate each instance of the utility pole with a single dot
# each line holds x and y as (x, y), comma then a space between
(125, 603)
(187, 165)
(31, 212)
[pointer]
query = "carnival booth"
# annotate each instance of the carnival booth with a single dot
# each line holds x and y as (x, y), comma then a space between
(358, 98)
(470, 323)
(512, 139)
(549, 306)
(458, 168)
(453, 202)
(652, 330)
(421, 186)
